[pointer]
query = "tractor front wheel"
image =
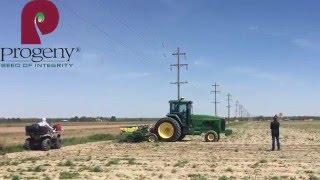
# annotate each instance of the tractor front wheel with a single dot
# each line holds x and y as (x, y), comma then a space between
(168, 129)
(211, 136)
(45, 144)
(152, 137)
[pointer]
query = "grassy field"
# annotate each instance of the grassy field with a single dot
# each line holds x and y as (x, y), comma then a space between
(243, 155)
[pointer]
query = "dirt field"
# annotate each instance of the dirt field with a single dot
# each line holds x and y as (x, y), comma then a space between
(244, 155)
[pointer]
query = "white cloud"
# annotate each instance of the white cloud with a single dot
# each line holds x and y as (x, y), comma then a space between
(131, 75)
(203, 61)
(199, 63)
(167, 2)
(307, 44)
(266, 76)
(304, 43)
(136, 74)
(241, 70)
(256, 73)
(254, 28)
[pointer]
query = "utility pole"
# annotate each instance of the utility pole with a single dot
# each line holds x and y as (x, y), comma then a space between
(237, 109)
(215, 85)
(240, 111)
(178, 65)
(229, 106)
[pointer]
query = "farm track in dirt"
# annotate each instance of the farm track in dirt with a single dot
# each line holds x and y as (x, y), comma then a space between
(244, 155)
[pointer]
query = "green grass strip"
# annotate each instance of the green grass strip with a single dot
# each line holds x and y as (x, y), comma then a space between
(66, 142)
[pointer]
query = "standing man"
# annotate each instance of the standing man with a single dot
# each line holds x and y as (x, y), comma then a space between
(274, 126)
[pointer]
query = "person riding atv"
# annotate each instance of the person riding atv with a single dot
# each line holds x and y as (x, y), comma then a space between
(43, 123)
(43, 136)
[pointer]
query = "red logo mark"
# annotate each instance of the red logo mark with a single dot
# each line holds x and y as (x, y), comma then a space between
(38, 13)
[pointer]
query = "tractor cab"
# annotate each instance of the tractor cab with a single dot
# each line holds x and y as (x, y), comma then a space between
(183, 109)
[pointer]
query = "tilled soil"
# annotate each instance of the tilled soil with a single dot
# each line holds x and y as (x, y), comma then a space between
(244, 155)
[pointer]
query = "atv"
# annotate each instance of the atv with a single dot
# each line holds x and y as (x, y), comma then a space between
(42, 138)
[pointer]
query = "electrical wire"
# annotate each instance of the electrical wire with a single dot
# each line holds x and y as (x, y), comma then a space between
(132, 29)
(106, 34)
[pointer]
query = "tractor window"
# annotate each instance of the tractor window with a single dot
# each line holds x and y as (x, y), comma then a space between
(180, 109)
(174, 108)
(183, 110)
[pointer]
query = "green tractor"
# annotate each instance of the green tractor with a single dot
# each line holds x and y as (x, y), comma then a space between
(181, 122)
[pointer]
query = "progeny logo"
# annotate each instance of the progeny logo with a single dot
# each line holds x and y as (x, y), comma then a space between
(37, 54)
(38, 17)
(41, 14)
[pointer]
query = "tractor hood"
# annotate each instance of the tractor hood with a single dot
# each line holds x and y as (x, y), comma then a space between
(206, 118)
(205, 122)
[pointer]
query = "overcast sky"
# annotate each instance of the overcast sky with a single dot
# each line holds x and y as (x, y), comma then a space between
(265, 53)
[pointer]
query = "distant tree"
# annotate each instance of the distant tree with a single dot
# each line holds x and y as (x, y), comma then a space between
(74, 119)
(113, 118)
(260, 118)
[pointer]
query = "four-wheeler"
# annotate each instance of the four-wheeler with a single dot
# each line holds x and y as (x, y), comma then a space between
(42, 138)
(181, 122)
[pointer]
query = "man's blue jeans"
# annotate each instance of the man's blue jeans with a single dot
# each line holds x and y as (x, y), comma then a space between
(275, 137)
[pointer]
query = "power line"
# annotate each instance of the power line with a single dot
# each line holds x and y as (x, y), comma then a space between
(215, 102)
(241, 111)
(237, 109)
(178, 65)
(229, 106)
(132, 29)
(246, 113)
(104, 32)
(73, 29)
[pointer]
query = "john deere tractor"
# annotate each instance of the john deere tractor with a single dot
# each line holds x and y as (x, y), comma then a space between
(181, 122)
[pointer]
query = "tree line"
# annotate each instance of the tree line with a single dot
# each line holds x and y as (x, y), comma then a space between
(75, 119)
(115, 119)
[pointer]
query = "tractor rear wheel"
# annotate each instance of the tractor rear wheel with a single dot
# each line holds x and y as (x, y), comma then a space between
(168, 129)
(181, 137)
(211, 136)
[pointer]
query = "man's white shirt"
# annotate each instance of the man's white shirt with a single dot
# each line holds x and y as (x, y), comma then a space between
(45, 124)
